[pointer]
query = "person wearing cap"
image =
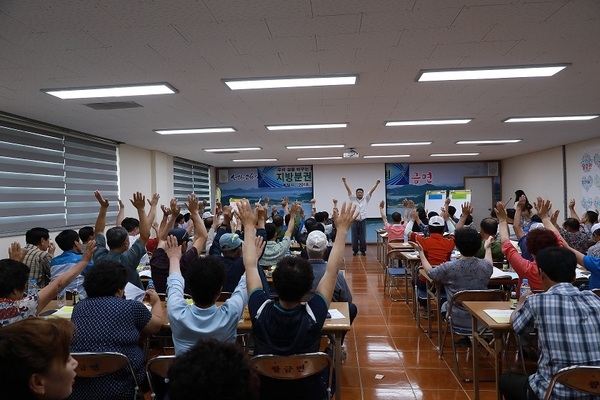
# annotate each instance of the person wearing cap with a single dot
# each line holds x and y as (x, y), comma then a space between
(594, 251)
(227, 247)
(210, 223)
(359, 227)
(274, 250)
(591, 262)
(159, 263)
(316, 247)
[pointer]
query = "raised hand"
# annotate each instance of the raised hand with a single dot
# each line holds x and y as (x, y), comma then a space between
(521, 203)
(101, 200)
(542, 207)
(121, 204)
(467, 208)
(488, 242)
(346, 216)
(154, 201)
(500, 211)
(138, 201)
(418, 248)
(166, 211)
(15, 252)
(192, 203)
(382, 204)
(88, 253)
(246, 215)
(175, 208)
(173, 249)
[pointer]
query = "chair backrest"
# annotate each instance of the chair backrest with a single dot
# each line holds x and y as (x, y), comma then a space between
(158, 366)
(97, 364)
(394, 254)
(585, 379)
(292, 367)
(224, 296)
(476, 295)
(396, 240)
(597, 291)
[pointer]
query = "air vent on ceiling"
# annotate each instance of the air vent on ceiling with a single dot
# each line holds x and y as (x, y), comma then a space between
(113, 105)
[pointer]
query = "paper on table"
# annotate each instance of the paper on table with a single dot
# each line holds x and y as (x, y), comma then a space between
(133, 292)
(500, 316)
(335, 314)
(497, 273)
(63, 312)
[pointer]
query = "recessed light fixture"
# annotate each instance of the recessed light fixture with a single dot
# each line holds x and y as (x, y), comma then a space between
(453, 154)
(552, 119)
(305, 126)
(255, 160)
(492, 141)
(459, 74)
(223, 129)
(232, 149)
(430, 122)
(112, 91)
(288, 82)
(389, 156)
(316, 146)
(400, 144)
(318, 158)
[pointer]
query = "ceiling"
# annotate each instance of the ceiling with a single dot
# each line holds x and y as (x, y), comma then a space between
(193, 45)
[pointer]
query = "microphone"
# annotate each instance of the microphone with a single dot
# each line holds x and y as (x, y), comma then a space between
(508, 201)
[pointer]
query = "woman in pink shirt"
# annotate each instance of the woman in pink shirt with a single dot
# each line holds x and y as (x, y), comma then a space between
(395, 230)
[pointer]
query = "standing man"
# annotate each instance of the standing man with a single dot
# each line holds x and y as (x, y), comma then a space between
(359, 227)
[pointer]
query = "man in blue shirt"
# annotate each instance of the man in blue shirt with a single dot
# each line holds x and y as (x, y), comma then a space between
(68, 241)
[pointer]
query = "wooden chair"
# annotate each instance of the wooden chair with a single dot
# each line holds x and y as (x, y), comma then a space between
(294, 367)
(98, 364)
(158, 367)
(585, 379)
(458, 299)
(597, 291)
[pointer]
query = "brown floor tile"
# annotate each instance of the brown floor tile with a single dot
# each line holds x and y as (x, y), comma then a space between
(388, 393)
(431, 394)
(350, 377)
(428, 378)
(389, 359)
(367, 344)
(396, 378)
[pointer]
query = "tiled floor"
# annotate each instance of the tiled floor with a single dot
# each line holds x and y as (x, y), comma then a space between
(385, 340)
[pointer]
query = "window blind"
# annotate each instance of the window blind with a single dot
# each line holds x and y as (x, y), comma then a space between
(190, 177)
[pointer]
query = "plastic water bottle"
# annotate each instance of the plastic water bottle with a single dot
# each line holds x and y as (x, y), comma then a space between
(151, 286)
(32, 288)
(525, 287)
(75, 295)
(513, 300)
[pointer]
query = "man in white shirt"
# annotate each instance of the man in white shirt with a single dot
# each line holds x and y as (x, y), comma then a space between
(359, 226)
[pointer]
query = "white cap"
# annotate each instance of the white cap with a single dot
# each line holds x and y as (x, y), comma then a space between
(536, 225)
(595, 227)
(436, 220)
(207, 214)
(316, 241)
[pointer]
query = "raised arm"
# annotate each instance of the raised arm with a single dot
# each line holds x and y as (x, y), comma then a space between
(346, 186)
(343, 219)
(572, 212)
(424, 261)
(542, 208)
(151, 214)
(50, 291)
(173, 251)
(290, 226)
(488, 249)
(503, 222)
(163, 229)
(121, 214)
(139, 202)
(252, 247)
(382, 212)
(101, 219)
(377, 182)
(313, 207)
(519, 208)
(195, 208)
(467, 210)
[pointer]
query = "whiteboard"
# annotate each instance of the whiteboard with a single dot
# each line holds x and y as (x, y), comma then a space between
(327, 184)
(434, 200)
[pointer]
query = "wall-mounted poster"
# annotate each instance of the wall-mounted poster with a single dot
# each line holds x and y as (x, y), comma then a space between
(590, 180)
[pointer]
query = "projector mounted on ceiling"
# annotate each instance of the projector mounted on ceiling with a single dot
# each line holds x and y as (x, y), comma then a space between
(351, 153)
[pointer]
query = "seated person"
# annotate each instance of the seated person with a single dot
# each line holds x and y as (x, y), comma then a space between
(159, 263)
(589, 219)
(316, 247)
(38, 255)
(489, 228)
(68, 241)
(35, 360)
(106, 321)
(14, 275)
(570, 231)
(203, 319)
(85, 235)
(311, 228)
(117, 237)
(566, 321)
(465, 273)
(287, 326)
(395, 230)
(217, 370)
(274, 250)
(594, 250)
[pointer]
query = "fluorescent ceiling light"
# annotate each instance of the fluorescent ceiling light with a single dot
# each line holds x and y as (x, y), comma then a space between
(112, 91)
(459, 74)
(305, 126)
(224, 129)
(389, 156)
(493, 141)
(453, 154)
(318, 158)
(551, 119)
(232, 149)
(255, 160)
(400, 144)
(430, 122)
(316, 146)
(287, 82)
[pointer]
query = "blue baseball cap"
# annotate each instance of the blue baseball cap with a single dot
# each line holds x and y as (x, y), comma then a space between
(230, 241)
(181, 235)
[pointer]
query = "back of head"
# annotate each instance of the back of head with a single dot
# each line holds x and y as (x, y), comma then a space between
(432, 214)
(105, 278)
(278, 220)
(67, 239)
(116, 237)
(271, 230)
(130, 224)
(536, 218)
(422, 215)
(451, 210)
(293, 278)
(208, 221)
(510, 213)
(468, 241)
(310, 224)
(396, 217)
(31, 346)
(557, 263)
(35, 235)
(436, 224)
(218, 370)
(489, 226)
(13, 276)
(180, 234)
(571, 224)
(539, 239)
(86, 233)
(320, 216)
(205, 277)
(469, 220)
(287, 218)
(592, 216)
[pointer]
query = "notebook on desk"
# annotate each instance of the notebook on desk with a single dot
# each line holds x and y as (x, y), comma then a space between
(497, 273)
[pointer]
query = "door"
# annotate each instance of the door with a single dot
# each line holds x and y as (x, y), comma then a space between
(482, 196)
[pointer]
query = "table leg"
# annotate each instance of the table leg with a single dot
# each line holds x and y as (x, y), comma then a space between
(337, 363)
(499, 350)
(475, 356)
